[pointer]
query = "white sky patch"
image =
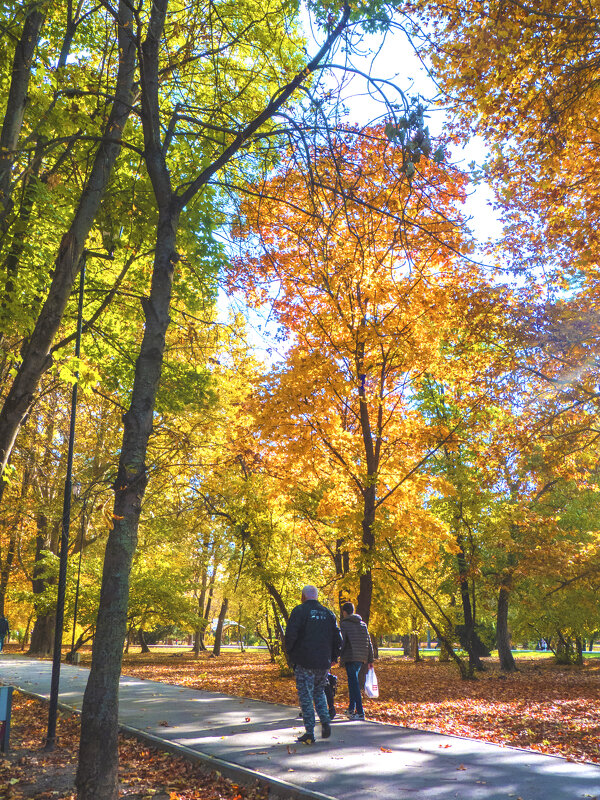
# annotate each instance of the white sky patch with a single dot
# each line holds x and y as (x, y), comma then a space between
(393, 60)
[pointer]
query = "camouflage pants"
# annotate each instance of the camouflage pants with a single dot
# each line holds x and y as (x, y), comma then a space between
(310, 684)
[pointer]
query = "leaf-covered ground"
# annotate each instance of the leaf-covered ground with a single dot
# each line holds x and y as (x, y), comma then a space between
(543, 707)
(27, 772)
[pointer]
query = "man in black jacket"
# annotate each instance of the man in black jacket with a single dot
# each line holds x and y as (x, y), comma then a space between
(312, 641)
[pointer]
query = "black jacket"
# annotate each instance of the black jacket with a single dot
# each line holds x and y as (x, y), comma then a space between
(312, 637)
(356, 642)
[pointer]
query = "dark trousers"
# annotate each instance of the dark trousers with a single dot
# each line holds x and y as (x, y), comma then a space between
(330, 694)
(310, 684)
(352, 670)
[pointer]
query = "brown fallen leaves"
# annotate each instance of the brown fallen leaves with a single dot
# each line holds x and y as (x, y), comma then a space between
(544, 707)
(29, 773)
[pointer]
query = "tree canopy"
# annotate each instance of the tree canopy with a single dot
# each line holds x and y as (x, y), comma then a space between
(422, 438)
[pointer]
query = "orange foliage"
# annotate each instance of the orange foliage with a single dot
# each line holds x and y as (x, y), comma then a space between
(364, 271)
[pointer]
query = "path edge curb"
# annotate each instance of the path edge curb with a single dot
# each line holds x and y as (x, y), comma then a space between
(282, 789)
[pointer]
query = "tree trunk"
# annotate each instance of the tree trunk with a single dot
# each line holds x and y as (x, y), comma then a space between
(7, 564)
(142, 641)
(216, 651)
(374, 645)
(579, 651)
(470, 639)
(14, 522)
(26, 633)
(207, 613)
(198, 633)
(19, 227)
(97, 775)
(277, 600)
(341, 560)
(414, 648)
(205, 618)
(365, 581)
(507, 662)
(17, 100)
(42, 635)
(369, 490)
(36, 358)
(564, 649)
(239, 632)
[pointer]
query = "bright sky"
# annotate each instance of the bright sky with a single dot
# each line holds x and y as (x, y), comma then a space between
(394, 61)
(397, 62)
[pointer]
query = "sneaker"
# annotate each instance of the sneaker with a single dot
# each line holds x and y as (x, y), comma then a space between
(349, 712)
(306, 738)
(325, 730)
(357, 717)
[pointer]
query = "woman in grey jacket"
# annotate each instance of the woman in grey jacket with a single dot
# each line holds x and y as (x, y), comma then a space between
(356, 651)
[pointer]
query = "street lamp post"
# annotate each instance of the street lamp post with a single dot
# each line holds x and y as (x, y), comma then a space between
(82, 531)
(66, 517)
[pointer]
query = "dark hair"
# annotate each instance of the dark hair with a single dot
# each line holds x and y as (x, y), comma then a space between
(348, 608)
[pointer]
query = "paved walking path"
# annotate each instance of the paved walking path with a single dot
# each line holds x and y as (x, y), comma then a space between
(361, 760)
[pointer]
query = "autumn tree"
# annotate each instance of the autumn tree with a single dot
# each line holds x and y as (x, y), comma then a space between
(26, 38)
(537, 112)
(227, 113)
(366, 265)
(34, 358)
(549, 464)
(525, 456)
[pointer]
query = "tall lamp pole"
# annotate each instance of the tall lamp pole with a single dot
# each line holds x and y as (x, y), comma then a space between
(66, 518)
(78, 575)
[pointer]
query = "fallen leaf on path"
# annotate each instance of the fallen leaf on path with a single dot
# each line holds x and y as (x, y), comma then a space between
(544, 707)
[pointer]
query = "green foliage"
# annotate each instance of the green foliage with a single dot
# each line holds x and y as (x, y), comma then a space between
(371, 15)
(284, 668)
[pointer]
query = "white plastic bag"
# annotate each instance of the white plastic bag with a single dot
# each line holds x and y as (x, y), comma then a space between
(371, 685)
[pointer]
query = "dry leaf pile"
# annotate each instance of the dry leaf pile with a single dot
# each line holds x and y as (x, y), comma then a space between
(27, 772)
(544, 707)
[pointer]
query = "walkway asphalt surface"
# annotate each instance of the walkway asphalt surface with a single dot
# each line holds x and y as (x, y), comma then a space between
(361, 760)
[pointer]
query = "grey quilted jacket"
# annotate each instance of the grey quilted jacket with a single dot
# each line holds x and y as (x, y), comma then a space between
(356, 642)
